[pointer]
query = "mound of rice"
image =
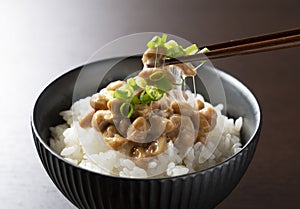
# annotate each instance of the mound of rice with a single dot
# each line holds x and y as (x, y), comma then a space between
(85, 148)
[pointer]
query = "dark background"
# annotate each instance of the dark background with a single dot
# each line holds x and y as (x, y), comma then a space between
(40, 40)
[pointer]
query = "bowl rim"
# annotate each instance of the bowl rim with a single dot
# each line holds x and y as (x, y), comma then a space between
(221, 74)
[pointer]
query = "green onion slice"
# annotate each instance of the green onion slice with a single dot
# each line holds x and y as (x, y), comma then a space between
(135, 100)
(124, 92)
(131, 82)
(204, 50)
(154, 93)
(171, 44)
(155, 42)
(141, 82)
(176, 51)
(163, 38)
(157, 75)
(191, 49)
(126, 110)
(145, 98)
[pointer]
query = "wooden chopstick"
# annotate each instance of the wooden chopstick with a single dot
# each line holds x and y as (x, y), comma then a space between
(279, 34)
(255, 44)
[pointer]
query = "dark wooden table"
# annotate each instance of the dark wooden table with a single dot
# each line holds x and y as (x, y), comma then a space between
(39, 41)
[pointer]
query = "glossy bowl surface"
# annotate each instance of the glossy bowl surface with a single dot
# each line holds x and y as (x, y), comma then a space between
(86, 189)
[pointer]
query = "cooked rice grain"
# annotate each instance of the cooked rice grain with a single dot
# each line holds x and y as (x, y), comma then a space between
(83, 147)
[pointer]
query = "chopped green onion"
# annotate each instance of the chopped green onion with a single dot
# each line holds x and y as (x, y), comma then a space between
(159, 81)
(126, 110)
(157, 75)
(135, 100)
(124, 92)
(171, 44)
(176, 51)
(145, 98)
(155, 42)
(141, 82)
(131, 82)
(163, 38)
(204, 50)
(192, 49)
(154, 93)
(151, 44)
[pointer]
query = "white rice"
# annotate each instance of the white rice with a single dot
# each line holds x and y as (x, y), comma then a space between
(84, 147)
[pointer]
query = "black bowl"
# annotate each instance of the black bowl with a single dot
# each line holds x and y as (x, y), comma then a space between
(87, 189)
